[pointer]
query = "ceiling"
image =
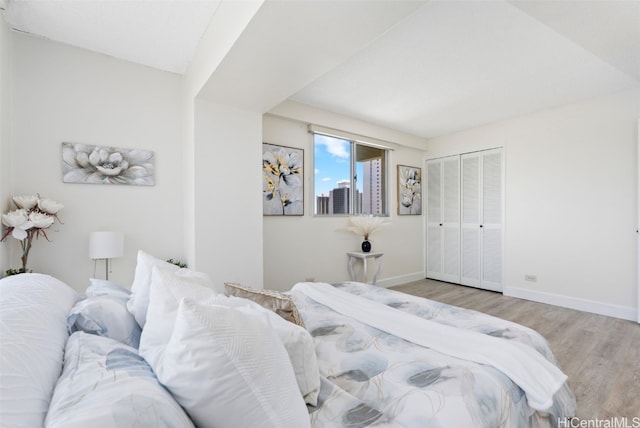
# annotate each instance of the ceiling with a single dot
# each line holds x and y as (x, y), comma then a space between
(162, 34)
(454, 65)
(432, 68)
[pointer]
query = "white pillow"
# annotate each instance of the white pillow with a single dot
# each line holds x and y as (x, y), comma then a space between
(103, 287)
(33, 332)
(300, 347)
(297, 341)
(226, 368)
(167, 291)
(139, 299)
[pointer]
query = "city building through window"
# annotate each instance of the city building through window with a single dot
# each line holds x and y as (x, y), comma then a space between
(349, 177)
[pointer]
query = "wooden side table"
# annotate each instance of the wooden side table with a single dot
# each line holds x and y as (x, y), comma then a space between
(353, 256)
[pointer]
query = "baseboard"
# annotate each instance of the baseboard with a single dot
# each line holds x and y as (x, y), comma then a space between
(616, 311)
(398, 280)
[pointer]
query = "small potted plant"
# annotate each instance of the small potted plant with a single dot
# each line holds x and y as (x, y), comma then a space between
(365, 225)
(177, 263)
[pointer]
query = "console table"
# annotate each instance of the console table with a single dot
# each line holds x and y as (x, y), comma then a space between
(353, 256)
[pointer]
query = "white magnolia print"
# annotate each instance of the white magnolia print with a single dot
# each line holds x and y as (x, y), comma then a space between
(83, 163)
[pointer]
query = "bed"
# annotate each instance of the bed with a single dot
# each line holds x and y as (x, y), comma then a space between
(393, 381)
(177, 350)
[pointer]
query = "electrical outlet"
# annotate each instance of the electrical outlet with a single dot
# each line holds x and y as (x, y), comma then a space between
(531, 278)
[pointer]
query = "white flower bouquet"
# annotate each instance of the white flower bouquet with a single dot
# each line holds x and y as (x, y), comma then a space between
(365, 225)
(29, 220)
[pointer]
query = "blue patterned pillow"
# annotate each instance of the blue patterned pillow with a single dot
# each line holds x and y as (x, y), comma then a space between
(107, 384)
(105, 315)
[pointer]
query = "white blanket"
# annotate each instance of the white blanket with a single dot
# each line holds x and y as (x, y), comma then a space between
(534, 374)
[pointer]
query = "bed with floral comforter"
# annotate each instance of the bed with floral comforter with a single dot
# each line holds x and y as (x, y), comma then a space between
(374, 378)
(366, 356)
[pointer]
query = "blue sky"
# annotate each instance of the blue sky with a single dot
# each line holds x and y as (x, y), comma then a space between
(331, 163)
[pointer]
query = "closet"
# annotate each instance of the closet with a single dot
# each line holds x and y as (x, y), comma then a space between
(464, 219)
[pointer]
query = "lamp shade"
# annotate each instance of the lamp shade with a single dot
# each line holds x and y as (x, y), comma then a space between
(106, 245)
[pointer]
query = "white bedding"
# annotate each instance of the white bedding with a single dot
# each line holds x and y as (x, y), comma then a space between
(106, 384)
(538, 377)
(368, 357)
(33, 332)
(374, 378)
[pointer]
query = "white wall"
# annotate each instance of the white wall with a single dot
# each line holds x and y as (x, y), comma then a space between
(5, 129)
(571, 201)
(223, 220)
(300, 247)
(64, 94)
(228, 210)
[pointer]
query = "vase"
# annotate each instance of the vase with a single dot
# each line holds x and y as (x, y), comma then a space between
(26, 247)
(366, 246)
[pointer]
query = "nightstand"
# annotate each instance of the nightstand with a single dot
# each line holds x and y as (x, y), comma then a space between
(353, 256)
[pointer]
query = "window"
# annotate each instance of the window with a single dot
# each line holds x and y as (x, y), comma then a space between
(341, 165)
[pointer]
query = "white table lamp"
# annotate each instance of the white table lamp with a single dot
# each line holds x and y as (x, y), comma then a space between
(106, 245)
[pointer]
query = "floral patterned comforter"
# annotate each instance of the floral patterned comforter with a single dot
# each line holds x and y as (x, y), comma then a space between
(372, 378)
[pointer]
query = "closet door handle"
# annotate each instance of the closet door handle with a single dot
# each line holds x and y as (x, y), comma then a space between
(440, 224)
(481, 226)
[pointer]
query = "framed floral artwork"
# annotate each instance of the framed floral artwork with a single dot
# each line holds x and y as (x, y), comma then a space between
(84, 163)
(409, 190)
(282, 180)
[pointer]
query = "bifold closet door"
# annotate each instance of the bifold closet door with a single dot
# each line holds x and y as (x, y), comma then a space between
(443, 219)
(481, 219)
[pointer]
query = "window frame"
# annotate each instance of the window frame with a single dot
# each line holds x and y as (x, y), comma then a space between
(353, 144)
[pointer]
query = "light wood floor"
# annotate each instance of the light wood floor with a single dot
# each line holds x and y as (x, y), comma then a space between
(599, 354)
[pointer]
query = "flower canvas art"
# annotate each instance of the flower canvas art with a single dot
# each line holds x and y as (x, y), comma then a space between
(409, 190)
(282, 180)
(84, 163)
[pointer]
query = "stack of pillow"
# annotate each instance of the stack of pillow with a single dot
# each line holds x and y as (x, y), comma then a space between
(227, 361)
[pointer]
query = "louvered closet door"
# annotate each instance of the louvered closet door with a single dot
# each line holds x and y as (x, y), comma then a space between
(482, 219)
(443, 219)
(471, 220)
(434, 216)
(451, 219)
(492, 220)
